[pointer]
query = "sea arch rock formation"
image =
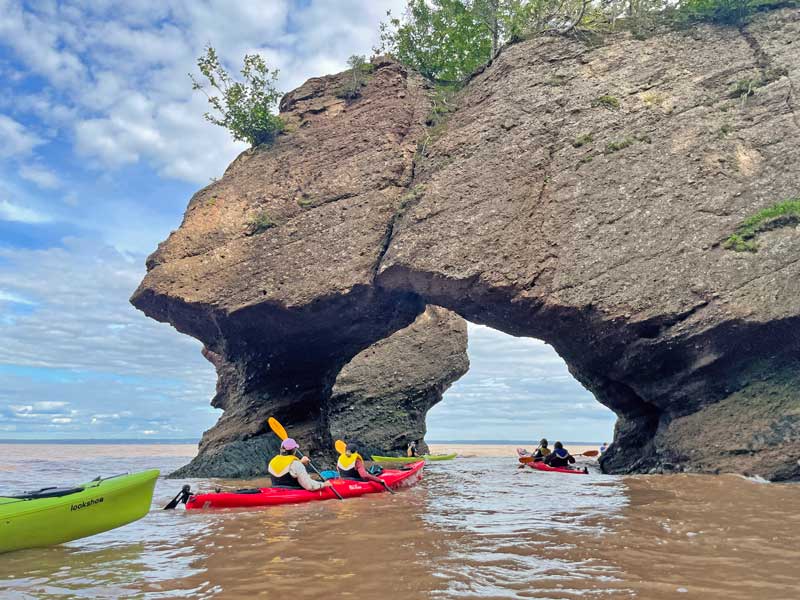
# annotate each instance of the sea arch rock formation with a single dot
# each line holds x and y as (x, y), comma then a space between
(578, 194)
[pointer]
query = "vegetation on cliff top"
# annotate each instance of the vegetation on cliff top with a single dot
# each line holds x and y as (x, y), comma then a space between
(356, 77)
(245, 108)
(782, 214)
(447, 40)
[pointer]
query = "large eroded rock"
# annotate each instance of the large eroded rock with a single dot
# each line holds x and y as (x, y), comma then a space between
(379, 399)
(581, 196)
(578, 194)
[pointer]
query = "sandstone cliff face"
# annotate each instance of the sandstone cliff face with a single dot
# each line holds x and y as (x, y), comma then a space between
(282, 309)
(579, 195)
(379, 400)
(381, 397)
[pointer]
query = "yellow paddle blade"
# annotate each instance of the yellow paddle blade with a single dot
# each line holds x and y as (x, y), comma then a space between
(340, 446)
(277, 428)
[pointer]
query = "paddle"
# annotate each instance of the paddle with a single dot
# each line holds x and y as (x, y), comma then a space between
(182, 496)
(529, 459)
(341, 448)
(279, 430)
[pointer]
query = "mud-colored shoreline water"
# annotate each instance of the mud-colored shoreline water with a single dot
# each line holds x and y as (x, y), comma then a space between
(473, 528)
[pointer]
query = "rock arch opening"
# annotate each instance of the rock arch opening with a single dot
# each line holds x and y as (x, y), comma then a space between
(517, 389)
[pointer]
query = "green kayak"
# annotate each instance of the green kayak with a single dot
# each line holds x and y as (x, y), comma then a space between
(410, 459)
(55, 515)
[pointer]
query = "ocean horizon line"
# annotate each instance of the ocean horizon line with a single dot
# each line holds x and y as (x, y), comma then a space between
(78, 441)
(175, 441)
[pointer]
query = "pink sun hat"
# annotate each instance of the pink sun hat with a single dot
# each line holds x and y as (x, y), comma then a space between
(289, 444)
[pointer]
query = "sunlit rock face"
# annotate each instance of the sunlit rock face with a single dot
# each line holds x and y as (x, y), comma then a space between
(577, 194)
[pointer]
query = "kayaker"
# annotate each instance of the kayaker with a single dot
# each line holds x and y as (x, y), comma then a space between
(542, 451)
(412, 449)
(351, 466)
(286, 470)
(559, 457)
(603, 448)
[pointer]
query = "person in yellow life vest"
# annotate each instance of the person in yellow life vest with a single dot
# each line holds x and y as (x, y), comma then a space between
(411, 451)
(286, 470)
(542, 451)
(351, 466)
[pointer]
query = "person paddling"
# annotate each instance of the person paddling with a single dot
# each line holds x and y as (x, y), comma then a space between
(288, 471)
(542, 451)
(351, 466)
(411, 451)
(559, 457)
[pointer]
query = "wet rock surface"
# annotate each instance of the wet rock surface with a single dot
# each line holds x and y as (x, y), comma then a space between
(381, 397)
(578, 194)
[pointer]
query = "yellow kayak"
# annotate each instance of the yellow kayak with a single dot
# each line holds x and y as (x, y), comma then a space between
(56, 515)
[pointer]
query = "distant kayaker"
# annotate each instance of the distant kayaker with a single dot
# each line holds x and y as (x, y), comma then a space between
(286, 470)
(559, 457)
(412, 449)
(542, 451)
(351, 466)
(603, 448)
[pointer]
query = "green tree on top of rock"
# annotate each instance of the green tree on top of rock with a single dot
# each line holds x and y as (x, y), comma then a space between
(443, 39)
(447, 40)
(245, 108)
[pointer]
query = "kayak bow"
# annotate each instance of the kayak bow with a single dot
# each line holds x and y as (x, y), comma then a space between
(56, 515)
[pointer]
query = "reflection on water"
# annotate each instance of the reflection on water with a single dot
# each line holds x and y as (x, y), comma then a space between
(474, 528)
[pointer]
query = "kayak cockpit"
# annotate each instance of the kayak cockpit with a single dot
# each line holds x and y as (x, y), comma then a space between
(48, 492)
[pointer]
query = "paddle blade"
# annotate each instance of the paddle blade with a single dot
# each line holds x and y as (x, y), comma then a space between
(525, 459)
(591, 453)
(277, 428)
(340, 446)
(182, 497)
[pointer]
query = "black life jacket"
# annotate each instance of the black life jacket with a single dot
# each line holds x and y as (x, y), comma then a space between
(279, 471)
(346, 466)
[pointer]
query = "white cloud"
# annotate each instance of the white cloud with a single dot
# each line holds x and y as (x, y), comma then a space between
(122, 74)
(16, 139)
(20, 214)
(15, 298)
(41, 176)
(49, 405)
(63, 360)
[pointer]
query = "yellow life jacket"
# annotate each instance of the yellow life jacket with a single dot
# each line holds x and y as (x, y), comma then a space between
(279, 471)
(347, 465)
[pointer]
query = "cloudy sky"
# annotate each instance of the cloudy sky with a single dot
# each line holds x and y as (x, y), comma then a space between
(102, 143)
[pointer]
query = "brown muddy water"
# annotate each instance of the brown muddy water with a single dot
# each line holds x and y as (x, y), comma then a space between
(473, 528)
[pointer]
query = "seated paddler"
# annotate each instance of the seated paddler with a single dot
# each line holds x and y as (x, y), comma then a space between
(289, 471)
(351, 465)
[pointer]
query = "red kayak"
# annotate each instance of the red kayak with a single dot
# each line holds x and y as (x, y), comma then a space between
(394, 478)
(540, 466)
